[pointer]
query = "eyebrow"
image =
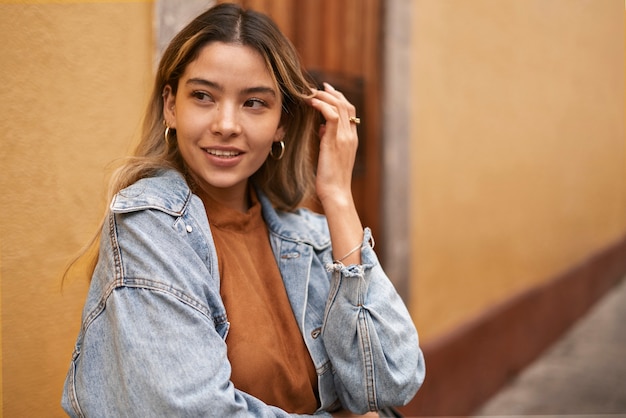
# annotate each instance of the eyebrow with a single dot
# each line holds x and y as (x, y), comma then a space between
(216, 86)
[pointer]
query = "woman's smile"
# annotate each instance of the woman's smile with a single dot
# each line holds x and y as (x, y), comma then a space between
(223, 158)
(222, 153)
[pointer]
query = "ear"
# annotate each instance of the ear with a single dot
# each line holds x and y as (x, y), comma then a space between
(280, 134)
(169, 107)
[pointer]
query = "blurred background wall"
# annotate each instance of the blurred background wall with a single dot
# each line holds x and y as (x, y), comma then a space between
(518, 182)
(517, 147)
(514, 166)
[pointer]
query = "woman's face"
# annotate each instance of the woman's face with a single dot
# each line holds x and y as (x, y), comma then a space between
(226, 113)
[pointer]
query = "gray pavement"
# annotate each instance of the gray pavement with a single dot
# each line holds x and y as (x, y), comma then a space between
(582, 375)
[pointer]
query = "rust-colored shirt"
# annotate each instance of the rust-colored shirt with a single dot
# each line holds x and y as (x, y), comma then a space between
(266, 350)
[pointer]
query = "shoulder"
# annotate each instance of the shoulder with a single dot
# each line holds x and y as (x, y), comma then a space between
(161, 209)
(157, 234)
(167, 192)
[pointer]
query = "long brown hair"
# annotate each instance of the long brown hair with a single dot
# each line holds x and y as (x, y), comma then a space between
(286, 182)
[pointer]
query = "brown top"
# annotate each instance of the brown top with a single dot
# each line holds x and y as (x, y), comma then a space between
(266, 350)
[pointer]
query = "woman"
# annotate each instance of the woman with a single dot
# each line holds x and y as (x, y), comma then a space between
(212, 295)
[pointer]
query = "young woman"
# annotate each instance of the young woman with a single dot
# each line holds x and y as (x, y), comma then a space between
(212, 294)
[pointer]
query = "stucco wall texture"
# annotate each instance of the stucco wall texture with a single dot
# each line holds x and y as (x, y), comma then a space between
(517, 146)
(75, 81)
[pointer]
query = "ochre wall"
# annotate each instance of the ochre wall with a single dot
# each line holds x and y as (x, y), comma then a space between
(75, 81)
(517, 146)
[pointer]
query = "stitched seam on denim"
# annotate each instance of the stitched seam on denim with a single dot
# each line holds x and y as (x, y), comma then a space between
(119, 274)
(178, 294)
(368, 365)
(301, 240)
(332, 294)
(324, 368)
(161, 208)
(117, 253)
(216, 320)
(73, 396)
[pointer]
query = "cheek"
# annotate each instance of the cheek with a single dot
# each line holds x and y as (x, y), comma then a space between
(189, 130)
(187, 135)
(264, 143)
(274, 131)
(184, 148)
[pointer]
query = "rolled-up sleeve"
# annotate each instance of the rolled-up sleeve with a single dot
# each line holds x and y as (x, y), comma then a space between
(370, 337)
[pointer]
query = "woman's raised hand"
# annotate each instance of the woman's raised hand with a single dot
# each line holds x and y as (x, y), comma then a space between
(338, 145)
(333, 184)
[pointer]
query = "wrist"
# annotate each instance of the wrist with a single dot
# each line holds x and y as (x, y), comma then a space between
(337, 201)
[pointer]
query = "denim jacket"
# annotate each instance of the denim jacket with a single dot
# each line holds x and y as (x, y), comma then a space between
(152, 339)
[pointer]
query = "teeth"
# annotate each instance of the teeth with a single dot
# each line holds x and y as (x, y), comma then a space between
(220, 153)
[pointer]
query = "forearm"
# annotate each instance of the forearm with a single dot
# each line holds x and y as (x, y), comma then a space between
(338, 145)
(346, 231)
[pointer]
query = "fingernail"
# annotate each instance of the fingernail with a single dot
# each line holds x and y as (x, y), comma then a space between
(328, 86)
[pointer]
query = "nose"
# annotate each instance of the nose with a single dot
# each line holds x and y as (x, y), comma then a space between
(225, 122)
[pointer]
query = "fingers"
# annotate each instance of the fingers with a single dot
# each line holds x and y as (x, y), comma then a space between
(333, 105)
(338, 144)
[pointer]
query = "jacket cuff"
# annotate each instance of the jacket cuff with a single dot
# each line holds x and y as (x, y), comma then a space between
(368, 259)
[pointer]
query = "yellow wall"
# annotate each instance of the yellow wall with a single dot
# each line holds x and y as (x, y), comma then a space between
(517, 148)
(75, 78)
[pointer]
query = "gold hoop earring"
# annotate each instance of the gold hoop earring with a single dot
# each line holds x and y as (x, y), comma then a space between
(282, 150)
(166, 135)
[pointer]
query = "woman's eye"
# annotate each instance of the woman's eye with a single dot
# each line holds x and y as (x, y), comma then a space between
(255, 103)
(202, 96)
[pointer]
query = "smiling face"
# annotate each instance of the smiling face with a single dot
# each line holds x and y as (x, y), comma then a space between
(226, 113)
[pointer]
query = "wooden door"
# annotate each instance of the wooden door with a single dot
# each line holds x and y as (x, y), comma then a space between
(339, 42)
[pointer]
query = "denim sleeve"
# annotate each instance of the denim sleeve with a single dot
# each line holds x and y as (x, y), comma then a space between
(149, 354)
(150, 346)
(370, 338)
